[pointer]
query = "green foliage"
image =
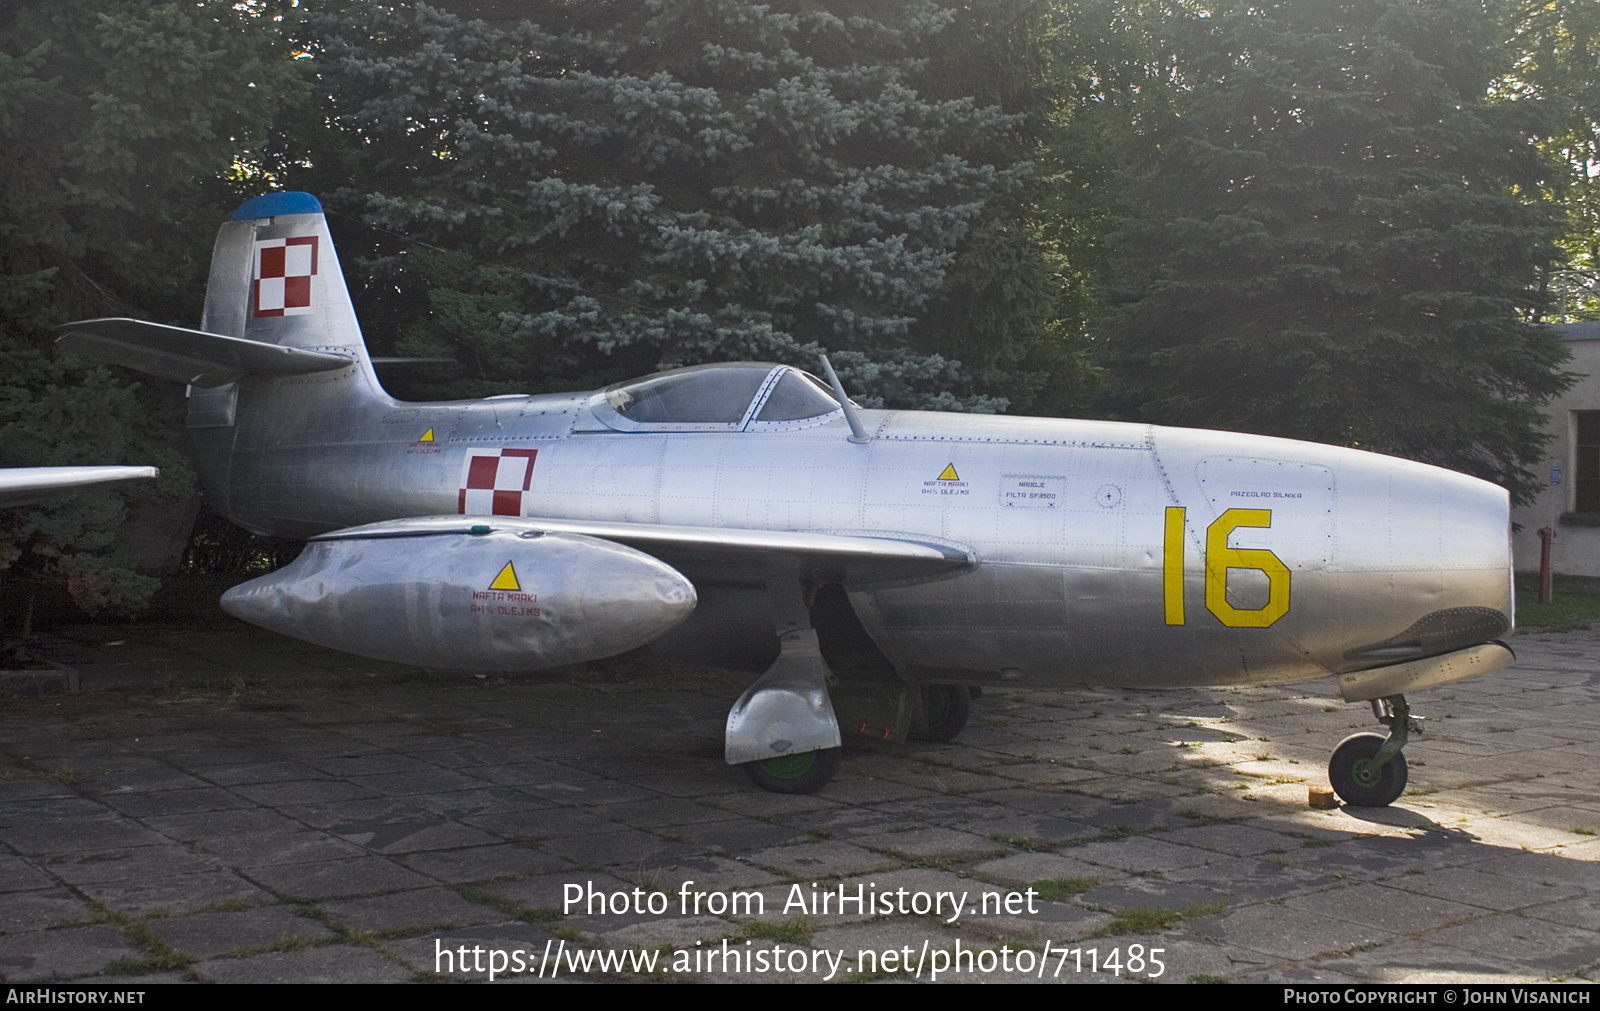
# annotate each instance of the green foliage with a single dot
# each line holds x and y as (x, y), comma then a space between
(1154, 920)
(797, 930)
(1565, 612)
(1336, 236)
(698, 180)
(1558, 47)
(1060, 889)
(119, 124)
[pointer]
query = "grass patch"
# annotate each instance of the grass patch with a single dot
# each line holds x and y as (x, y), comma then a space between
(1106, 834)
(1155, 920)
(1312, 842)
(159, 956)
(1565, 612)
(510, 907)
(1059, 889)
(293, 942)
(144, 966)
(1201, 818)
(1206, 977)
(1021, 842)
(795, 931)
(1583, 830)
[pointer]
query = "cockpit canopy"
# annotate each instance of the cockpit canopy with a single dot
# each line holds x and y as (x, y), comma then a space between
(738, 396)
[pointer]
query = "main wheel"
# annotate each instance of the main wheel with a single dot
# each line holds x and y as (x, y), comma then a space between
(806, 772)
(946, 709)
(1350, 771)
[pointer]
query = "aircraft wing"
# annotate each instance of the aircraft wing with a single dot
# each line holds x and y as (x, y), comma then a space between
(189, 356)
(21, 486)
(861, 557)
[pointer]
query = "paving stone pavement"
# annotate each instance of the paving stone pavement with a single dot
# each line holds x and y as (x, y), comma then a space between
(218, 803)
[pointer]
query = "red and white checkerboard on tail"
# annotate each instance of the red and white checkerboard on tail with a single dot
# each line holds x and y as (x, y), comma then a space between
(281, 276)
(494, 482)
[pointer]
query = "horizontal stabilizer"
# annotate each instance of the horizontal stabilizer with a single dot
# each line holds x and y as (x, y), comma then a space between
(26, 485)
(189, 356)
(865, 557)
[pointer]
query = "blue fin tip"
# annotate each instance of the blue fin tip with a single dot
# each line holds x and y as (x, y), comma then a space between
(272, 205)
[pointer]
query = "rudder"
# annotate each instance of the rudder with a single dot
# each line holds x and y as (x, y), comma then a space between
(275, 278)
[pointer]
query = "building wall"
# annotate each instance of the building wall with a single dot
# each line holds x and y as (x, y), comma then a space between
(1576, 549)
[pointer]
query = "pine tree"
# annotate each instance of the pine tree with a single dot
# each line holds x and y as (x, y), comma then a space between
(1341, 237)
(119, 125)
(639, 186)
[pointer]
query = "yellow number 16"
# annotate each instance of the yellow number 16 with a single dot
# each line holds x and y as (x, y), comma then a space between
(1219, 559)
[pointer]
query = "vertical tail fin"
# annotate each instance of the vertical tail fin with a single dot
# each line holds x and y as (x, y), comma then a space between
(275, 278)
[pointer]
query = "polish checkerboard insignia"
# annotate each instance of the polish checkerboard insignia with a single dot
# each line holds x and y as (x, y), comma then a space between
(281, 276)
(494, 483)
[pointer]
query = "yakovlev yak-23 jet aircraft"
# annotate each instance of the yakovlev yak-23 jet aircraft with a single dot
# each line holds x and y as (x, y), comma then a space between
(877, 565)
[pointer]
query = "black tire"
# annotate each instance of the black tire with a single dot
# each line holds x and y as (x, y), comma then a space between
(1347, 771)
(806, 772)
(945, 709)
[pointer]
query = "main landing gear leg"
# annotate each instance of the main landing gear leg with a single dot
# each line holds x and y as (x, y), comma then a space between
(1369, 770)
(783, 730)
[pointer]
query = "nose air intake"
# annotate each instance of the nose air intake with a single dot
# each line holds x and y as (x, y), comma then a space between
(1440, 632)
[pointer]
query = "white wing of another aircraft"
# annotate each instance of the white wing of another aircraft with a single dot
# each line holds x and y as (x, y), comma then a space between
(20, 486)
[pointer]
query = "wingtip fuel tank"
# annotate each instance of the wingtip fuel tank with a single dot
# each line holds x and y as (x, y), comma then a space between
(476, 597)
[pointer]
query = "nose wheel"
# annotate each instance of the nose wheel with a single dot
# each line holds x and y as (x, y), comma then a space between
(1369, 770)
(806, 772)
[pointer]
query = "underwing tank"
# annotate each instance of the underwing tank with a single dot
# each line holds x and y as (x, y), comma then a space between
(474, 597)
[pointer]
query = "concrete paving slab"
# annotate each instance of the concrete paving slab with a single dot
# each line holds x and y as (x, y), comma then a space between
(485, 863)
(208, 935)
(421, 910)
(1473, 887)
(1289, 933)
(1390, 909)
(1525, 941)
(174, 893)
(21, 912)
(326, 879)
(63, 954)
(406, 809)
(333, 964)
(17, 875)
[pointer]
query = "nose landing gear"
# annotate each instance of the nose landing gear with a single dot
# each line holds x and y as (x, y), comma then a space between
(1369, 770)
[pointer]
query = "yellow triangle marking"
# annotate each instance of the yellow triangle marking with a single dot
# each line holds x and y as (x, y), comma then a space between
(949, 473)
(427, 436)
(506, 580)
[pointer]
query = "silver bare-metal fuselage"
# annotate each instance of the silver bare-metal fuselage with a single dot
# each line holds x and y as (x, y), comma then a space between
(1106, 553)
(747, 515)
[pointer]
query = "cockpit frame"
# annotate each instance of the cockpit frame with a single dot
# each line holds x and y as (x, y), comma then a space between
(611, 405)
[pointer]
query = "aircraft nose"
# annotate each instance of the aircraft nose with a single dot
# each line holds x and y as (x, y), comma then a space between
(1423, 562)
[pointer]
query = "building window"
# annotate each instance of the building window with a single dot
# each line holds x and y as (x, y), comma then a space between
(1586, 467)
